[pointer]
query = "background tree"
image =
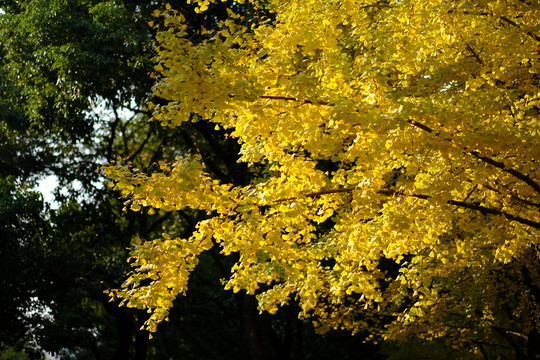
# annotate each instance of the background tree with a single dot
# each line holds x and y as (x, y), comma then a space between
(402, 185)
(22, 225)
(74, 77)
(61, 61)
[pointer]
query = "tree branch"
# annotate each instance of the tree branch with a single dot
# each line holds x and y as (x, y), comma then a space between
(482, 209)
(511, 171)
(142, 145)
(158, 152)
(290, 98)
(500, 165)
(207, 159)
(474, 53)
(110, 143)
(123, 129)
(511, 22)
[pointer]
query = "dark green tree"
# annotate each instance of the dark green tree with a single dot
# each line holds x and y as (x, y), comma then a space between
(72, 92)
(24, 228)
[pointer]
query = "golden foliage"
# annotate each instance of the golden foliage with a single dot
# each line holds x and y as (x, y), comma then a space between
(427, 111)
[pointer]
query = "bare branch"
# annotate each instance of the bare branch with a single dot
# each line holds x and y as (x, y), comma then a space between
(474, 53)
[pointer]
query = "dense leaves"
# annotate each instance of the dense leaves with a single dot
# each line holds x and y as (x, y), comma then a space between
(400, 145)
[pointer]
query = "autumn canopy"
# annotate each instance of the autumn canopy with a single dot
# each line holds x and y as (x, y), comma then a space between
(398, 157)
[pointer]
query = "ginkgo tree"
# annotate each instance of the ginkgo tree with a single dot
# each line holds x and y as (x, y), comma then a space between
(399, 140)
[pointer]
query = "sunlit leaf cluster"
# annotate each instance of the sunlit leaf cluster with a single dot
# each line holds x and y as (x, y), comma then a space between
(401, 142)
